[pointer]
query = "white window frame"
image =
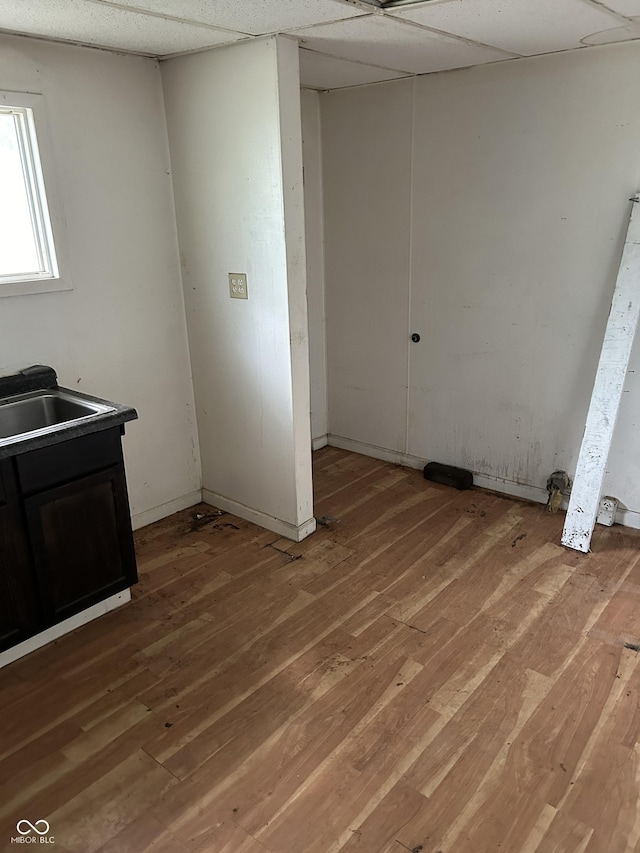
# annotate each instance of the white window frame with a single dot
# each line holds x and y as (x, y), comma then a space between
(44, 199)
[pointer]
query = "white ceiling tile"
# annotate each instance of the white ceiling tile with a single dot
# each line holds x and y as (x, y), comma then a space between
(384, 41)
(106, 26)
(628, 8)
(526, 27)
(318, 71)
(251, 16)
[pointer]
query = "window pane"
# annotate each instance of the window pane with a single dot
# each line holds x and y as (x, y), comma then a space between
(18, 246)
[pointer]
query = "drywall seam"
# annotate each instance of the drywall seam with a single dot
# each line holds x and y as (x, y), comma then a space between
(410, 262)
(192, 402)
(325, 365)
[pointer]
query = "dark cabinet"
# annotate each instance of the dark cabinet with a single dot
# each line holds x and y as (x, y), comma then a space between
(67, 543)
(80, 554)
(19, 607)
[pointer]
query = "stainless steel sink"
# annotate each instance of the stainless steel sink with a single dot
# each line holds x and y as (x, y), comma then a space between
(41, 412)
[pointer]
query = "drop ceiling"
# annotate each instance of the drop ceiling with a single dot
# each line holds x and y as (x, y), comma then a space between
(343, 42)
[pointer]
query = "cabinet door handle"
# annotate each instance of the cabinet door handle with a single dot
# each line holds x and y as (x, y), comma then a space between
(415, 337)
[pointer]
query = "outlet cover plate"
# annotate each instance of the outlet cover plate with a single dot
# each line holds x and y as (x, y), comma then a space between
(607, 511)
(238, 285)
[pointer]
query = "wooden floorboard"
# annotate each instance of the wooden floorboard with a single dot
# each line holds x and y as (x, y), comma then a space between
(431, 671)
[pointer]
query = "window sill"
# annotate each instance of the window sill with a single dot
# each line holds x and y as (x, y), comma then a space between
(23, 288)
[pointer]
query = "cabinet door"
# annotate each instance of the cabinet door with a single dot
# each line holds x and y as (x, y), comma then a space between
(82, 542)
(19, 608)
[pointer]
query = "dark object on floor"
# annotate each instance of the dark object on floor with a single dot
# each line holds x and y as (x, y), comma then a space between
(327, 521)
(200, 519)
(448, 475)
(635, 647)
(557, 485)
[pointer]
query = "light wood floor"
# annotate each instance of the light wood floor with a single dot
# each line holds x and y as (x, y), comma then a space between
(432, 672)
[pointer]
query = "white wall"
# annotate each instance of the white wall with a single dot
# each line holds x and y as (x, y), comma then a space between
(234, 131)
(121, 332)
(314, 231)
(484, 209)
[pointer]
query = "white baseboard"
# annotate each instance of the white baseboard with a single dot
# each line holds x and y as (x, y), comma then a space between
(319, 442)
(141, 519)
(383, 453)
(538, 494)
(282, 528)
(62, 628)
(628, 517)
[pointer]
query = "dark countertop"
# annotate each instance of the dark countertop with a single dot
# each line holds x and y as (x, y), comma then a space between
(40, 378)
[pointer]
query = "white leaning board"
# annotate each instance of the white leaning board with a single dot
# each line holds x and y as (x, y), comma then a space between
(607, 392)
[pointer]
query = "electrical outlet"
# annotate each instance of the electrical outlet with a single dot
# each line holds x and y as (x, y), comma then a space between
(607, 510)
(238, 285)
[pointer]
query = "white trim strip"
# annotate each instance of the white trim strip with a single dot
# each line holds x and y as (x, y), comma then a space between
(62, 628)
(319, 442)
